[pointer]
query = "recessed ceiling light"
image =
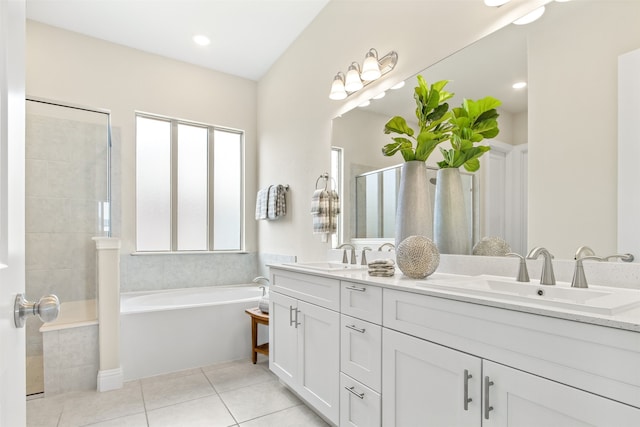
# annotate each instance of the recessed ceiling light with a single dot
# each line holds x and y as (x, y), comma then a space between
(398, 85)
(201, 40)
(519, 85)
(496, 2)
(530, 17)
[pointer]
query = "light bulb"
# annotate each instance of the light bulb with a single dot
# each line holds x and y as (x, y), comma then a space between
(337, 88)
(530, 17)
(496, 2)
(370, 66)
(353, 83)
(519, 85)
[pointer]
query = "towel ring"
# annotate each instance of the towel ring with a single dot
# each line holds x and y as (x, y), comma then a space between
(325, 176)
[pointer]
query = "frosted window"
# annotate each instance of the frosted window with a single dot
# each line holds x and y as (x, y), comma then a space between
(153, 184)
(227, 190)
(192, 205)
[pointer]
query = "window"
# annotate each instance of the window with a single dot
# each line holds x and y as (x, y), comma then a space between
(189, 186)
(337, 155)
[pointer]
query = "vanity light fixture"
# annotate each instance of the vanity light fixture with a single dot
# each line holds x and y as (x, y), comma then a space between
(365, 104)
(372, 69)
(530, 17)
(398, 85)
(519, 85)
(380, 95)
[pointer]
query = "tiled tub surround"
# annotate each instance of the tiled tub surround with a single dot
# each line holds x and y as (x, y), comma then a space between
(70, 349)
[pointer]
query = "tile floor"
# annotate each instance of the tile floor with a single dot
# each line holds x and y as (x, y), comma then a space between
(229, 394)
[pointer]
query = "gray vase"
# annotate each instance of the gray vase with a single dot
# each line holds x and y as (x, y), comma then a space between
(451, 232)
(414, 215)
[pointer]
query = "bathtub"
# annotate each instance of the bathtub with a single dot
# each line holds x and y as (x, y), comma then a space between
(173, 330)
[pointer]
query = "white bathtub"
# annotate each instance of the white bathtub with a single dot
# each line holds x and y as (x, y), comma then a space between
(172, 330)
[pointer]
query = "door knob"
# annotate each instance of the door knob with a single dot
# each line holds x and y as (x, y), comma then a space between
(47, 309)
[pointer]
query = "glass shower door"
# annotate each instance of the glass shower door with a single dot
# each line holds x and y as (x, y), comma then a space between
(67, 203)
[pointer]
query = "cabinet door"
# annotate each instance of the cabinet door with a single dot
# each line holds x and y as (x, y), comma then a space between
(319, 358)
(283, 337)
(518, 399)
(424, 384)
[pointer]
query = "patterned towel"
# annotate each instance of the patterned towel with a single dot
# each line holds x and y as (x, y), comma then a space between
(325, 207)
(277, 204)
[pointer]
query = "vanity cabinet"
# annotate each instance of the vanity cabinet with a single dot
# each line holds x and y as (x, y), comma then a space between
(304, 349)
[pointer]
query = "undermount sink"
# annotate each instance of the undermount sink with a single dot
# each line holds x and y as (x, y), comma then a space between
(596, 299)
(327, 266)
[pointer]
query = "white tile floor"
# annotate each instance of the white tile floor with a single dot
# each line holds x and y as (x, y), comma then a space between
(229, 394)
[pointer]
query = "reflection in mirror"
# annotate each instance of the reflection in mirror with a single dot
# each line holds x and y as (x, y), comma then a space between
(567, 65)
(375, 202)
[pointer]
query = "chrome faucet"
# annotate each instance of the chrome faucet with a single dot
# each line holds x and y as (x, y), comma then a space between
(523, 273)
(391, 246)
(260, 278)
(579, 279)
(363, 258)
(345, 260)
(547, 277)
(584, 251)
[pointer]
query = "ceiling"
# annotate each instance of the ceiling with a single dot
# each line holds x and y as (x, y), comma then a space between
(247, 36)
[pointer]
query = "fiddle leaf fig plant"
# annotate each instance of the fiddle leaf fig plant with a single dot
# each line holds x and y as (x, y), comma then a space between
(470, 124)
(433, 117)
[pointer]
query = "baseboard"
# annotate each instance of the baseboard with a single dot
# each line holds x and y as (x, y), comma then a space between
(111, 379)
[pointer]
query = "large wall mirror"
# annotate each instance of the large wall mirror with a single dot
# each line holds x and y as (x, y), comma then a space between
(535, 173)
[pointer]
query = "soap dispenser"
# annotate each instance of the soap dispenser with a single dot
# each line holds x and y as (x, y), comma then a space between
(263, 305)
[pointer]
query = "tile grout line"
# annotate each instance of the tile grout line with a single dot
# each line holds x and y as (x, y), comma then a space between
(219, 397)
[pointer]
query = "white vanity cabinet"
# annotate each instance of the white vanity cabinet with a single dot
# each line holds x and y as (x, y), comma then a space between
(360, 354)
(526, 370)
(304, 335)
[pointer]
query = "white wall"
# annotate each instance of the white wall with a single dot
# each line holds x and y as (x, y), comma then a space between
(294, 111)
(73, 68)
(573, 137)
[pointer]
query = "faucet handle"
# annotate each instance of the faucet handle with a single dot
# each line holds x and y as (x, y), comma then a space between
(622, 257)
(523, 273)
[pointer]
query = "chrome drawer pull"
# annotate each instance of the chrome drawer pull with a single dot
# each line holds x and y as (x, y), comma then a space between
(355, 329)
(487, 407)
(467, 399)
(355, 288)
(297, 323)
(291, 315)
(355, 393)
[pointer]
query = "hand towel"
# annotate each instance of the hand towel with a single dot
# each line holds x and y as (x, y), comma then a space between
(262, 200)
(276, 207)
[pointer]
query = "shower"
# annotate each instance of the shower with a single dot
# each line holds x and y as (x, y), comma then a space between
(68, 201)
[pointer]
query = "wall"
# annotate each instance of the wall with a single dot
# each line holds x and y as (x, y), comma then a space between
(76, 69)
(295, 113)
(573, 146)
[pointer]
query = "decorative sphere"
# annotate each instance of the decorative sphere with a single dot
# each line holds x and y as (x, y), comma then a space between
(417, 257)
(491, 246)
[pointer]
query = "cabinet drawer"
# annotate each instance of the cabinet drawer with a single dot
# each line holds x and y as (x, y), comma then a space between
(361, 355)
(361, 301)
(359, 405)
(306, 287)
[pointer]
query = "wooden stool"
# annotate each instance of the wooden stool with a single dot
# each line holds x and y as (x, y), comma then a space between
(257, 317)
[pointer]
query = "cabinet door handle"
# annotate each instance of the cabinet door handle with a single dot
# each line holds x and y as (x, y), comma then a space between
(467, 399)
(353, 327)
(355, 393)
(291, 315)
(297, 323)
(355, 288)
(487, 406)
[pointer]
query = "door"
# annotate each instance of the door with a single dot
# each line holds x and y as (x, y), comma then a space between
(319, 358)
(12, 101)
(425, 384)
(283, 337)
(517, 399)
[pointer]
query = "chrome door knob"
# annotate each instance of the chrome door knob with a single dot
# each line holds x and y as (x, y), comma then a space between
(47, 309)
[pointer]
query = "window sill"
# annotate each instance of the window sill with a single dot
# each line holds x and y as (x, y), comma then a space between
(188, 253)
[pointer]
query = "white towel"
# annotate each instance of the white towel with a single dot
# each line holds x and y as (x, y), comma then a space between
(262, 203)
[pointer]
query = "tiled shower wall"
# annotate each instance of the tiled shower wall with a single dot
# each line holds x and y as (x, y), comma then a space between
(66, 178)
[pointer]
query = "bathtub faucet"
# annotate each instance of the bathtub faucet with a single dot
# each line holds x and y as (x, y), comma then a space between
(259, 278)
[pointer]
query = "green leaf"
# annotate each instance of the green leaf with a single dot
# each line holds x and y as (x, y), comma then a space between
(427, 142)
(398, 125)
(472, 165)
(438, 112)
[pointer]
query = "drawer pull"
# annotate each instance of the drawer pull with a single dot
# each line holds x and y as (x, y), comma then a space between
(487, 406)
(291, 315)
(467, 399)
(355, 288)
(353, 327)
(355, 393)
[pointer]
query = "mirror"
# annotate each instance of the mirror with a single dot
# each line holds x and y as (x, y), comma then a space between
(555, 199)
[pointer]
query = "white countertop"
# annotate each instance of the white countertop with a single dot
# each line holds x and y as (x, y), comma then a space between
(626, 320)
